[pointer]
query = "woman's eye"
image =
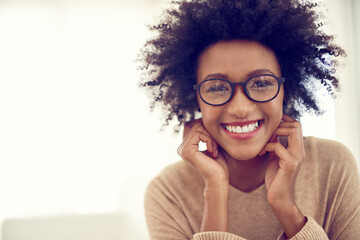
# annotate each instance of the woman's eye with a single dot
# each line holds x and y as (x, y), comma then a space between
(262, 84)
(218, 88)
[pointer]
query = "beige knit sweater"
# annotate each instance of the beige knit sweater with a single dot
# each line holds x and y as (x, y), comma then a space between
(327, 192)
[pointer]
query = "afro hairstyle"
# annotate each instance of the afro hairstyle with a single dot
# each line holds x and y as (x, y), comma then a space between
(290, 28)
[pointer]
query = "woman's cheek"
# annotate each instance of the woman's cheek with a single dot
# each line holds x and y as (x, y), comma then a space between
(211, 117)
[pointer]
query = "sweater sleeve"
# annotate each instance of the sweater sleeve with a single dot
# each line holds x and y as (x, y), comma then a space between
(344, 209)
(346, 222)
(167, 221)
(342, 219)
(311, 231)
(216, 236)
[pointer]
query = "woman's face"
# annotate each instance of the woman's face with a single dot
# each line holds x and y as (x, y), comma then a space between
(237, 61)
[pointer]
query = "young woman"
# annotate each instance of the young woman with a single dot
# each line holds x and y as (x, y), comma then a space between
(248, 67)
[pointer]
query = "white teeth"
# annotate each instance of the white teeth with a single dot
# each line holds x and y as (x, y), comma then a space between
(238, 129)
(245, 129)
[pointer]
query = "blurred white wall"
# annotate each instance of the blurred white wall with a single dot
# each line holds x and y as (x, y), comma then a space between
(343, 17)
(76, 135)
(356, 66)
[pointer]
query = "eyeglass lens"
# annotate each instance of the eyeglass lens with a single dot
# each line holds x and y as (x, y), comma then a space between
(219, 91)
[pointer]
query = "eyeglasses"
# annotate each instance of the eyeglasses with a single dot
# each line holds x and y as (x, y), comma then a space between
(259, 88)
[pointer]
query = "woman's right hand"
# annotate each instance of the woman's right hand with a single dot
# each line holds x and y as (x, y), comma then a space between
(210, 164)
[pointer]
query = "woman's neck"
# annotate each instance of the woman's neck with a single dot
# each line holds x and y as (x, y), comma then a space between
(247, 175)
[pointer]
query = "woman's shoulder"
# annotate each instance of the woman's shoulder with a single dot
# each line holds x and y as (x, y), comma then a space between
(323, 143)
(176, 171)
(328, 166)
(328, 154)
(176, 177)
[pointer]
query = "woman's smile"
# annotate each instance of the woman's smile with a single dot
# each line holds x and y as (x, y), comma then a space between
(242, 130)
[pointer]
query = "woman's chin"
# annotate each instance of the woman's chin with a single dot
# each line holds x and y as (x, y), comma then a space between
(244, 156)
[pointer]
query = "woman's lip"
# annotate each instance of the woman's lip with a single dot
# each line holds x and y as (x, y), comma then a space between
(243, 136)
(241, 123)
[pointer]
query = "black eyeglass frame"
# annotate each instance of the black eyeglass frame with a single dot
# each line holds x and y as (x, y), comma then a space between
(280, 81)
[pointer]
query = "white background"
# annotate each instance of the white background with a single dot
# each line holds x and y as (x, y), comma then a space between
(76, 134)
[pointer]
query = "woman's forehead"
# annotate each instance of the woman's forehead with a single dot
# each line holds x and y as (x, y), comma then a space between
(237, 59)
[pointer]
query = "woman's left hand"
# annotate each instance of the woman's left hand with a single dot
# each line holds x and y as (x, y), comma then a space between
(283, 168)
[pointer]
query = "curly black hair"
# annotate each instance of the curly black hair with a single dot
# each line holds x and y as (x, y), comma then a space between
(292, 29)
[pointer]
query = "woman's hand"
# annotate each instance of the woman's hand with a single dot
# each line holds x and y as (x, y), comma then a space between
(212, 167)
(210, 164)
(283, 168)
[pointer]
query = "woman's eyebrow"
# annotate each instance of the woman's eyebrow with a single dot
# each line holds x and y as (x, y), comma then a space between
(216, 75)
(259, 72)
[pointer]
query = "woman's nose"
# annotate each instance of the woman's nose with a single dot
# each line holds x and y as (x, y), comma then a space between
(240, 105)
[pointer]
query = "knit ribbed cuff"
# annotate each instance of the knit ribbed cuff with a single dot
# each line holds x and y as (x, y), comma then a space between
(311, 230)
(216, 236)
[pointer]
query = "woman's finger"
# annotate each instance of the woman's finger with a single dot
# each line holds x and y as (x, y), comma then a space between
(294, 140)
(188, 126)
(284, 131)
(287, 118)
(286, 160)
(215, 148)
(191, 143)
(290, 124)
(278, 149)
(272, 139)
(197, 126)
